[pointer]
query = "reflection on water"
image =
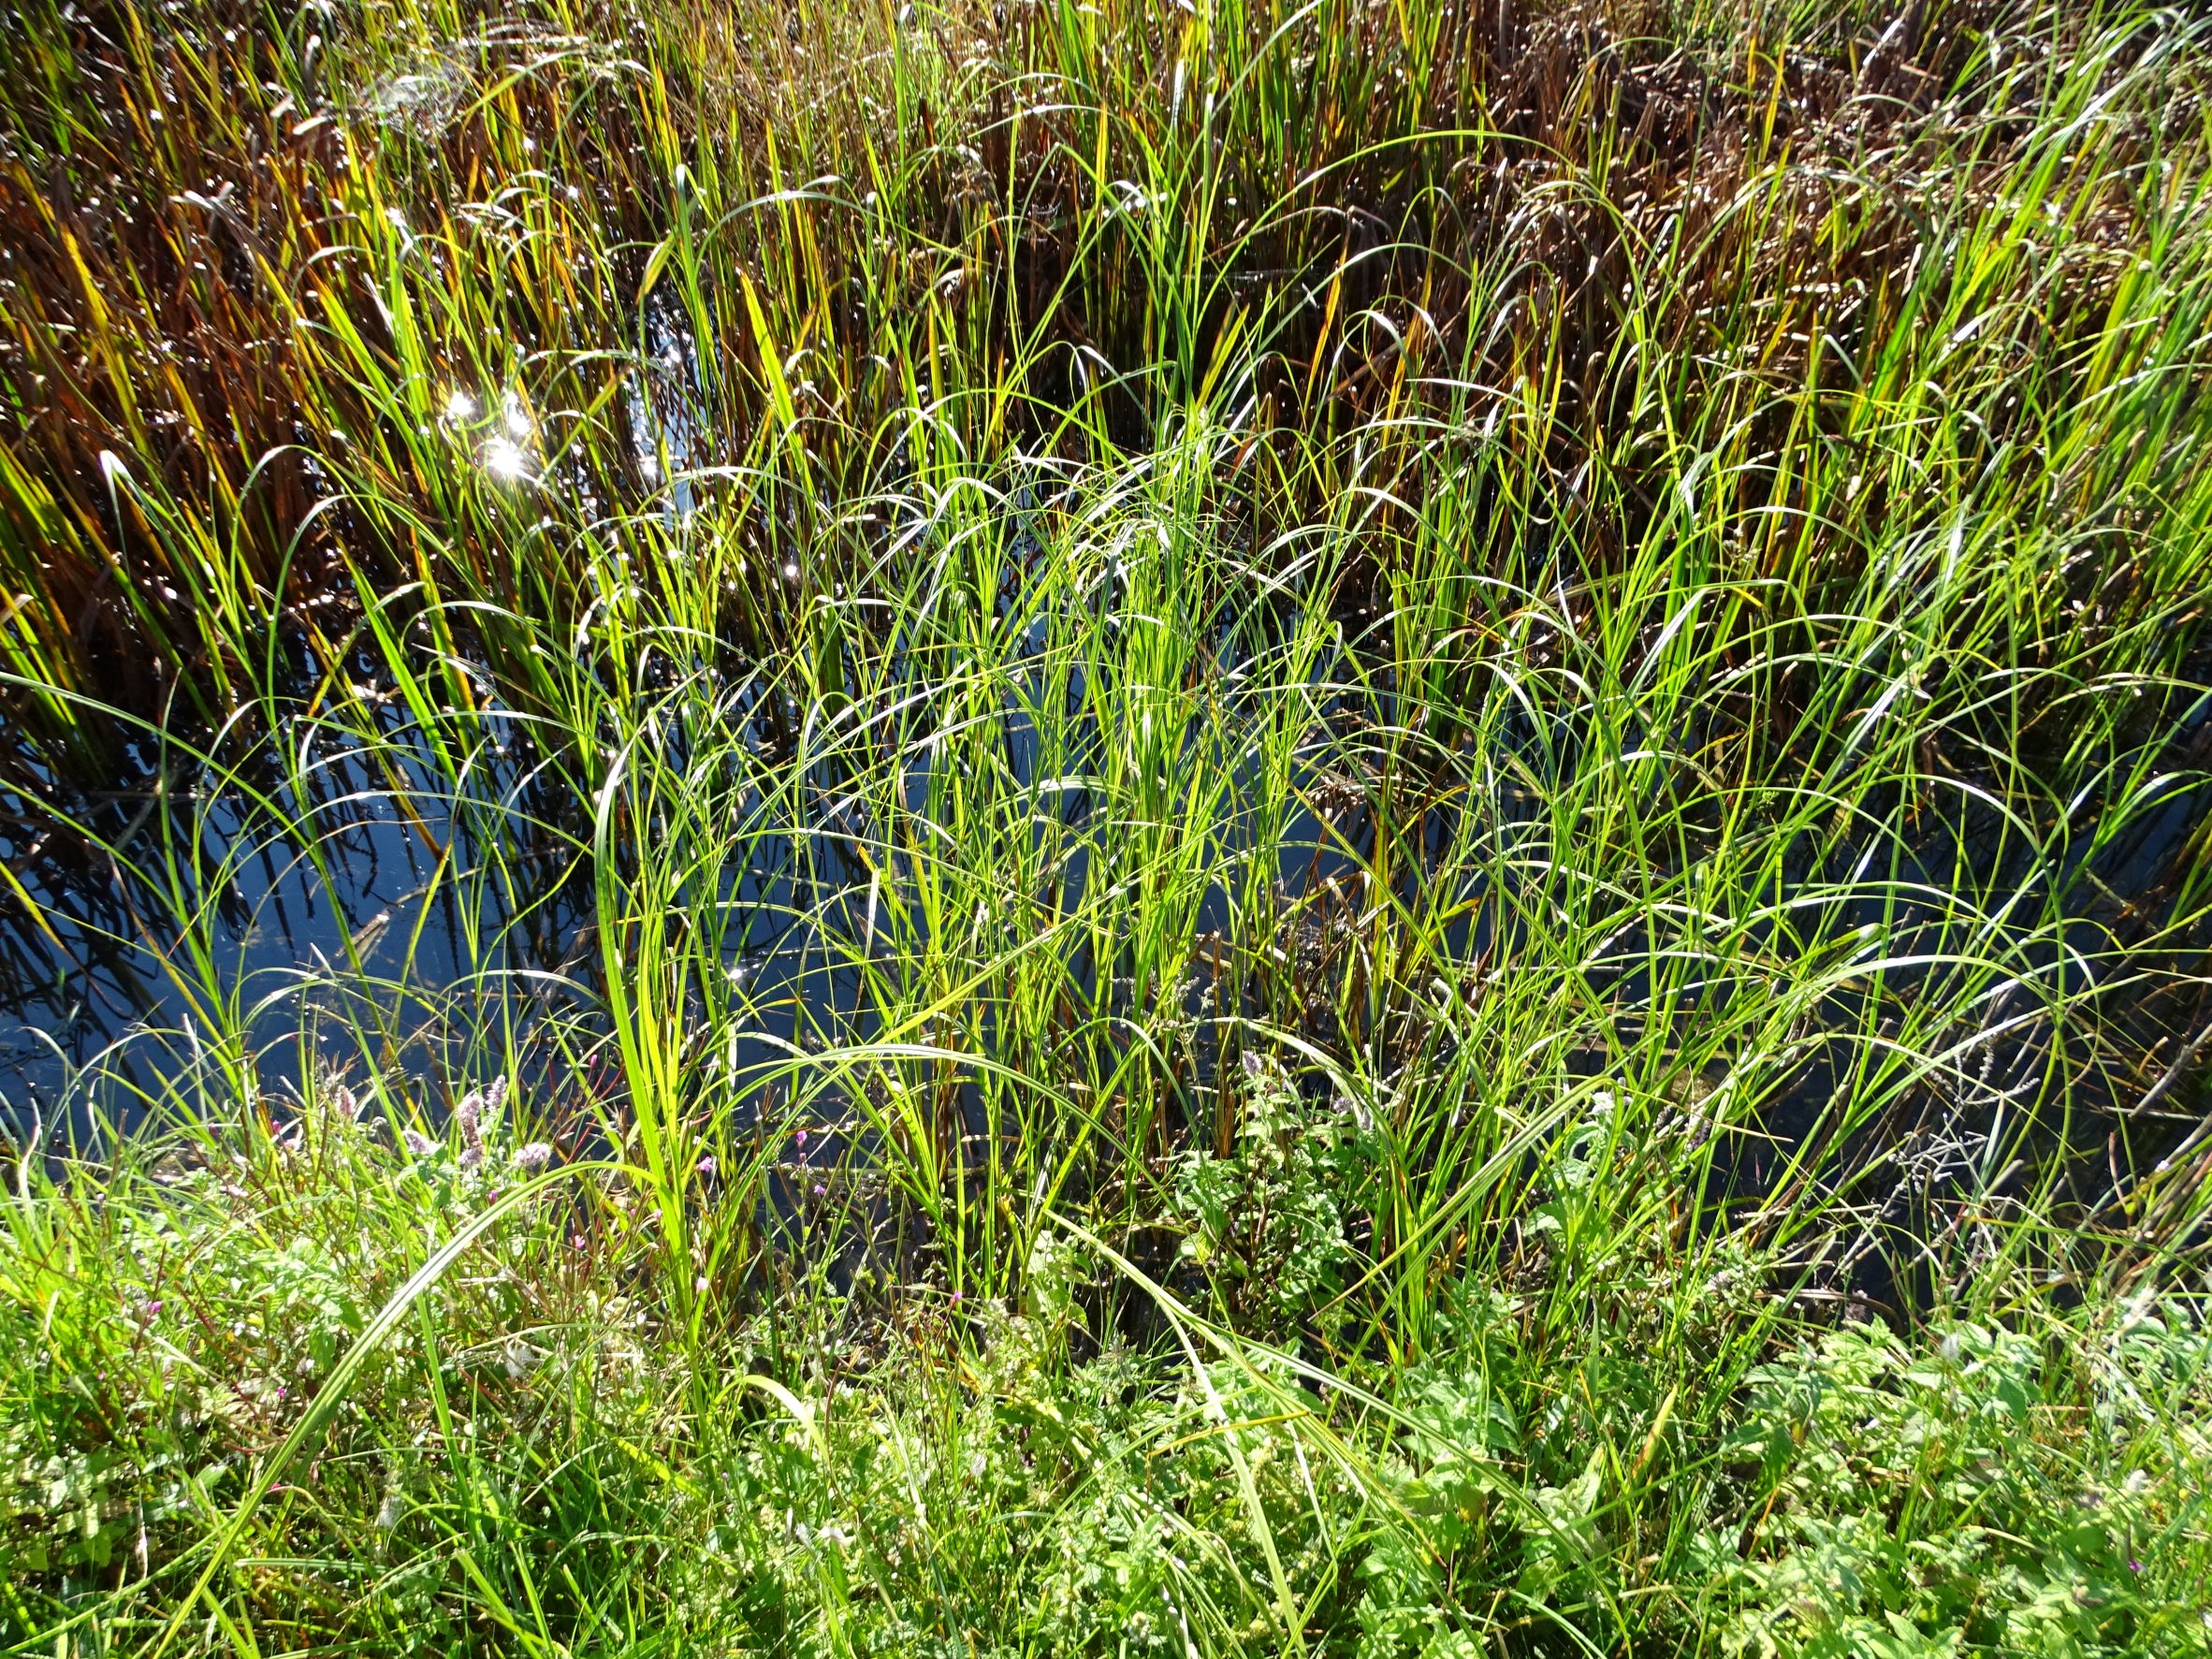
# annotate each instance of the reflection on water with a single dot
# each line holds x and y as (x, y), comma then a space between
(165, 909)
(181, 897)
(667, 401)
(193, 899)
(443, 906)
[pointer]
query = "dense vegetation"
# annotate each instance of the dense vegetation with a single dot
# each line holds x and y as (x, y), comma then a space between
(1158, 826)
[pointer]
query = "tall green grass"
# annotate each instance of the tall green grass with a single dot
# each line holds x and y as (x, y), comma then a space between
(1358, 828)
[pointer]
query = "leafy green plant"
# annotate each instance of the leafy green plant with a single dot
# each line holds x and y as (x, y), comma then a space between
(1930, 1501)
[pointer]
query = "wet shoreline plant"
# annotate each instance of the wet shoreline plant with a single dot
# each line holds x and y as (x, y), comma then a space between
(1104, 828)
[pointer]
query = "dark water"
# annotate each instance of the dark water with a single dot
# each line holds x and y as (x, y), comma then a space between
(448, 912)
(368, 865)
(146, 907)
(452, 909)
(373, 878)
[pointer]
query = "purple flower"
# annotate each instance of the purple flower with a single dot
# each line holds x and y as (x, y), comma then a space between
(534, 1157)
(469, 1114)
(819, 1190)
